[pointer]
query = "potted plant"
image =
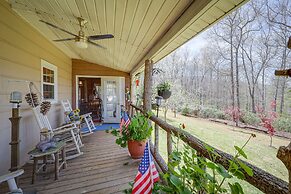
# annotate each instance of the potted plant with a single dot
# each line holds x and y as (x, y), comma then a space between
(164, 90)
(135, 135)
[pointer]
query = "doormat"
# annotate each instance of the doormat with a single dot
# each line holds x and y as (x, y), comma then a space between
(103, 127)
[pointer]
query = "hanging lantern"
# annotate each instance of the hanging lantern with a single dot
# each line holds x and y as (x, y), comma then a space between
(137, 82)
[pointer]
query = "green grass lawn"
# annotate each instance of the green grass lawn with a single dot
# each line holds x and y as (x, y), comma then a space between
(224, 137)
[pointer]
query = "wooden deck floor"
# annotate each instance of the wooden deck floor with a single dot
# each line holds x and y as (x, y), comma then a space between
(102, 168)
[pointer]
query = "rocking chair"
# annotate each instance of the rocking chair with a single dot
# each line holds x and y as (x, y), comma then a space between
(10, 178)
(68, 133)
(87, 118)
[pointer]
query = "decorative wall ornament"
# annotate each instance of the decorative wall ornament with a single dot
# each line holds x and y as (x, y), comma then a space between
(32, 99)
(45, 107)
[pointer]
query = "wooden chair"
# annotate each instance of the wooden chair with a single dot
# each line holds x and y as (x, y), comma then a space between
(69, 133)
(10, 178)
(88, 121)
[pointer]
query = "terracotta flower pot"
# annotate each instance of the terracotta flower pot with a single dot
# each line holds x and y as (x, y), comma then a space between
(136, 148)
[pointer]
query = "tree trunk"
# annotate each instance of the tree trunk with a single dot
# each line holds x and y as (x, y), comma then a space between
(263, 90)
(231, 73)
(252, 95)
(237, 78)
(282, 96)
(276, 94)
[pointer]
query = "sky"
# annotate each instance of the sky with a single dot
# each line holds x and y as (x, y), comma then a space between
(197, 43)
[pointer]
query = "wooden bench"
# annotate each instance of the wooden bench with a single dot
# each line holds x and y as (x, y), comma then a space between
(38, 155)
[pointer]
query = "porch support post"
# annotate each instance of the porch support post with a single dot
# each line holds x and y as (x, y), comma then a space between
(284, 154)
(148, 82)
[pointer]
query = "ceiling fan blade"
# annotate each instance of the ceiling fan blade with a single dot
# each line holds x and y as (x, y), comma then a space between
(99, 37)
(98, 45)
(54, 26)
(64, 39)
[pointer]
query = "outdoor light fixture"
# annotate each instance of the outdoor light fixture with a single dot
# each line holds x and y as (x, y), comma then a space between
(158, 100)
(15, 99)
(158, 103)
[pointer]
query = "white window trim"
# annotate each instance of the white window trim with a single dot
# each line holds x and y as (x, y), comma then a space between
(45, 64)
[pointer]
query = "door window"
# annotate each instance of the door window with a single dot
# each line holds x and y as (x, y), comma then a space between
(111, 99)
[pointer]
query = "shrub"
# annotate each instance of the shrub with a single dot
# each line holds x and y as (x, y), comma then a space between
(185, 111)
(212, 113)
(282, 124)
(195, 112)
(250, 118)
(234, 113)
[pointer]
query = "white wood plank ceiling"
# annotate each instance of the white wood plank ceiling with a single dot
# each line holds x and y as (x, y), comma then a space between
(142, 28)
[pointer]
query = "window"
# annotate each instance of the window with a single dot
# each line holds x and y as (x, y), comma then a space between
(49, 81)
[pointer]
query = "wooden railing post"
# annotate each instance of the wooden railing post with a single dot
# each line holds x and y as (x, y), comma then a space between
(156, 138)
(148, 82)
(284, 154)
(169, 145)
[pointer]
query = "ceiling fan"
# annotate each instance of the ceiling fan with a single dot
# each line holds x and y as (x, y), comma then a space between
(81, 39)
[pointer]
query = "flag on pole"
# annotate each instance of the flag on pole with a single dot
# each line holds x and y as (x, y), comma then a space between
(125, 121)
(147, 174)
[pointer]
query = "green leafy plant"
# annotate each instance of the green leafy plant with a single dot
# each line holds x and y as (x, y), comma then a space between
(250, 118)
(212, 113)
(185, 111)
(165, 86)
(191, 173)
(283, 124)
(139, 129)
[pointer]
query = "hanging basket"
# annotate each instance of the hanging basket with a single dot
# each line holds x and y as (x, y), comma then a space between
(165, 94)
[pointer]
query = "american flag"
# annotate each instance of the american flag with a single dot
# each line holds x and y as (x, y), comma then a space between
(147, 174)
(125, 121)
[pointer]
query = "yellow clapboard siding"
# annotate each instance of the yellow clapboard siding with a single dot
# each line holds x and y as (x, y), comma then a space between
(22, 48)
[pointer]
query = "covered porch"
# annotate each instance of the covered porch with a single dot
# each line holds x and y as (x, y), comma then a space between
(145, 32)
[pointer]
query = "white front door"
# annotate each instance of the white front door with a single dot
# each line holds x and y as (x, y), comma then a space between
(113, 97)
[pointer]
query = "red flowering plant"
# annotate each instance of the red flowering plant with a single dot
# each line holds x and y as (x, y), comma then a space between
(234, 113)
(268, 119)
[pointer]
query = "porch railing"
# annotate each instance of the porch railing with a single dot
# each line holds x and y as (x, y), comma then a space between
(261, 179)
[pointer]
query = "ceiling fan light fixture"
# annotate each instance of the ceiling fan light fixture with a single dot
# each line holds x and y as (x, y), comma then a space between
(82, 44)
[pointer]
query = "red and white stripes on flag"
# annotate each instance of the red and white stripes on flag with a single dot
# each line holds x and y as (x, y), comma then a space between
(125, 121)
(147, 174)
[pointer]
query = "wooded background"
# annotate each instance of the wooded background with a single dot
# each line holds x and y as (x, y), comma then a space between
(236, 67)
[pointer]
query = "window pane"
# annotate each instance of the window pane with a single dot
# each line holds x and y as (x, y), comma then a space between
(48, 75)
(111, 98)
(48, 91)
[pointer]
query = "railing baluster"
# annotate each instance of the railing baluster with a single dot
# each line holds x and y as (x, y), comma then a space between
(169, 145)
(156, 138)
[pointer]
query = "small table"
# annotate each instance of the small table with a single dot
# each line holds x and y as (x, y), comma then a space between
(38, 155)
